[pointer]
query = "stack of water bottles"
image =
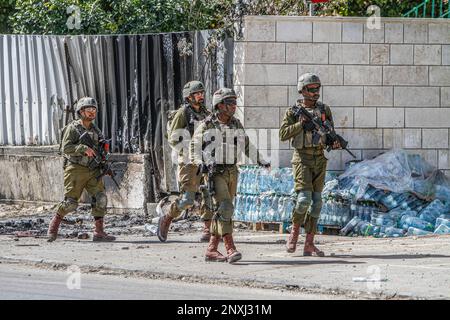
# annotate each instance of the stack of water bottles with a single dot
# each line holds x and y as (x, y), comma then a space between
(264, 195)
(404, 215)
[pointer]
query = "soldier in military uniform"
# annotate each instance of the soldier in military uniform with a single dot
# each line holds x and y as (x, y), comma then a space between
(308, 162)
(191, 113)
(81, 171)
(225, 173)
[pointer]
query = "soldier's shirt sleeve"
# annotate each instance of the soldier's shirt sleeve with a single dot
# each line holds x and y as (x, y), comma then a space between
(70, 145)
(178, 122)
(329, 115)
(290, 127)
(196, 146)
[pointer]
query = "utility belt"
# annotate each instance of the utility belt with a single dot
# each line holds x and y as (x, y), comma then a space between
(82, 161)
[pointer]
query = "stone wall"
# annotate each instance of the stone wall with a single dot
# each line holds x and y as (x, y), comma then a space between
(35, 174)
(388, 87)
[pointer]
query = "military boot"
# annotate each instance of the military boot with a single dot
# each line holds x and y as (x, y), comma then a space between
(99, 233)
(310, 248)
(53, 228)
(206, 235)
(291, 245)
(163, 227)
(232, 254)
(211, 253)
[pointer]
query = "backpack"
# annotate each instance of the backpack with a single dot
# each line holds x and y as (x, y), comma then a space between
(187, 115)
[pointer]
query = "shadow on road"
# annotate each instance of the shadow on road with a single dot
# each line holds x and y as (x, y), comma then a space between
(306, 261)
(389, 256)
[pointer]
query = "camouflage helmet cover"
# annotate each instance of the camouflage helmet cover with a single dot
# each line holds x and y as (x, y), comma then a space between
(86, 102)
(306, 79)
(192, 87)
(222, 94)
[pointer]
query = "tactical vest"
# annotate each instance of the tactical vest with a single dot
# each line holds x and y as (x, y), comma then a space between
(305, 138)
(95, 134)
(212, 122)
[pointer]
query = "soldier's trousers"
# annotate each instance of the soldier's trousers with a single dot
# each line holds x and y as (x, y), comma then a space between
(76, 179)
(189, 182)
(309, 178)
(225, 187)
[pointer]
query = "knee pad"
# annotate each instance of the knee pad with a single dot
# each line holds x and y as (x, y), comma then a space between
(303, 202)
(186, 201)
(225, 210)
(67, 206)
(100, 201)
(316, 205)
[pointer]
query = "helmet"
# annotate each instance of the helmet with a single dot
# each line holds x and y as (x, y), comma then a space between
(222, 94)
(192, 87)
(86, 102)
(305, 79)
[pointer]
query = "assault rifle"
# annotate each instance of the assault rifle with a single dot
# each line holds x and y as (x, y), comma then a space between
(322, 129)
(207, 189)
(101, 159)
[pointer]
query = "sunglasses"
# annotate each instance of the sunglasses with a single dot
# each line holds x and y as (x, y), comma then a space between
(230, 101)
(312, 90)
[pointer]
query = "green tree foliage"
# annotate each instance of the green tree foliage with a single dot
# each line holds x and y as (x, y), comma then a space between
(6, 10)
(150, 16)
(389, 8)
(51, 17)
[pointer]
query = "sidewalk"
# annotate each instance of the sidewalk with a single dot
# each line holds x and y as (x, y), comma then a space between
(408, 267)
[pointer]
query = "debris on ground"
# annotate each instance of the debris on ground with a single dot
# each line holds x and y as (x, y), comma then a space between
(80, 224)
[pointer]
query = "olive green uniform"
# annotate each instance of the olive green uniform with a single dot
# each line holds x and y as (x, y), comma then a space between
(225, 177)
(188, 176)
(309, 165)
(79, 171)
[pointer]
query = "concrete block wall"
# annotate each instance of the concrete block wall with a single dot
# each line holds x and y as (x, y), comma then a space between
(387, 88)
(35, 174)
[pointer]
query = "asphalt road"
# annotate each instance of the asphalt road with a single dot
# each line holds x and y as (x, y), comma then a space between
(24, 283)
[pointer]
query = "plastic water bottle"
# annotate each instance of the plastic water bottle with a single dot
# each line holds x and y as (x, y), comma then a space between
(237, 207)
(367, 210)
(442, 229)
(350, 226)
(417, 232)
(360, 211)
(440, 221)
(246, 211)
(366, 229)
(432, 211)
(274, 209)
(265, 206)
(407, 221)
(255, 209)
(281, 206)
(394, 232)
(426, 216)
(353, 212)
(445, 216)
(263, 184)
(345, 215)
(288, 209)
